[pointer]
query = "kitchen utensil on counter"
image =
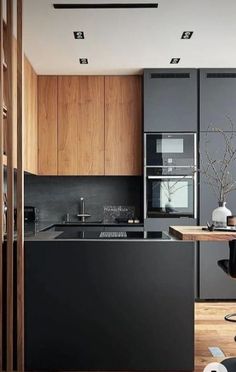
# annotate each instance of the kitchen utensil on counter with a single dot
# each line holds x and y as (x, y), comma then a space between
(231, 221)
(127, 220)
(31, 214)
(82, 215)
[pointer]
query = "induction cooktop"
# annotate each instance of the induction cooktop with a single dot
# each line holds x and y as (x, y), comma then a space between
(113, 235)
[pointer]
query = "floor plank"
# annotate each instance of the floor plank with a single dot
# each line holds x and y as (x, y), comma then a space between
(212, 330)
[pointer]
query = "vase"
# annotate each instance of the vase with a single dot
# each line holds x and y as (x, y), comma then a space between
(220, 214)
(169, 207)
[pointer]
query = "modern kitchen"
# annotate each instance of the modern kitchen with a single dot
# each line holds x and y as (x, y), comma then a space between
(118, 184)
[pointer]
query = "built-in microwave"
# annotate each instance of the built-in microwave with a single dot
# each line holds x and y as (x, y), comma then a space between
(170, 149)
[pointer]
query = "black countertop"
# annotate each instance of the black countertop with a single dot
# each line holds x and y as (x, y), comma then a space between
(98, 235)
(36, 227)
(44, 225)
(49, 230)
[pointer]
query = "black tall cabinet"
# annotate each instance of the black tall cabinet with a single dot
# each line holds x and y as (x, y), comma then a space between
(217, 104)
(217, 97)
(170, 100)
(191, 100)
(170, 105)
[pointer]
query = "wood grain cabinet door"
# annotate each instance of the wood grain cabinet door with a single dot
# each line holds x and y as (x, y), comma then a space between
(31, 119)
(80, 125)
(47, 125)
(68, 96)
(90, 125)
(123, 129)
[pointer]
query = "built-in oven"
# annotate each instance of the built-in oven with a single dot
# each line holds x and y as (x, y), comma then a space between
(170, 175)
(166, 149)
(170, 192)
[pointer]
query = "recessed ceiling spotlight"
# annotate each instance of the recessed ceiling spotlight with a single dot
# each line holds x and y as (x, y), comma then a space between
(83, 61)
(186, 34)
(174, 60)
(78, 34)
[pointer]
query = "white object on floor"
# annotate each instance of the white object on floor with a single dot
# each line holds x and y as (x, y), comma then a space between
(215, 367)
(216, 352)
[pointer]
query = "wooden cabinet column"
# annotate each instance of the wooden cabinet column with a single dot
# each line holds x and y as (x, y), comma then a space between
(47, 125)
(123, 129)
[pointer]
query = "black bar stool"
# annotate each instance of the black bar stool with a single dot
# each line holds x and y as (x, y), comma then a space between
(229, 267)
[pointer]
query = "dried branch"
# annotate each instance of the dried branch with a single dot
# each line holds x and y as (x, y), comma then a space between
(216, 168)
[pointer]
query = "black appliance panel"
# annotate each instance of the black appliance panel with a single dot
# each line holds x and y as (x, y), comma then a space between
(170, 196)
(170, 149)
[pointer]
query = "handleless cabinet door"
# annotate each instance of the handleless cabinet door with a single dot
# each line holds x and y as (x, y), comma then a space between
(214, 283)
(80, 125)
(90, 115)
(123, 129)
(31, 118)
(170, 100)
(217, 98)
(213, 144)
(68, 123)
(47, 125)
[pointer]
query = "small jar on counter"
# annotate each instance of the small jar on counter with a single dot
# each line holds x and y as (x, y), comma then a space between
(231, 221)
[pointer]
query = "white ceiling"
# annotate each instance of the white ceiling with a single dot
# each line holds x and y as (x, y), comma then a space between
(125, 41)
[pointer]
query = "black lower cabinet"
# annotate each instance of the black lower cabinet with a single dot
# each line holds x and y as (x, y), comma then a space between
(109, 305)
(214, 283)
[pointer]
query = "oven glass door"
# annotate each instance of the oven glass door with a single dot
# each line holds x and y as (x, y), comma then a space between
(170, 196)
(170, 149)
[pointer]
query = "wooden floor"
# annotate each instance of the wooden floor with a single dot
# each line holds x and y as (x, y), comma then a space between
(212, 330)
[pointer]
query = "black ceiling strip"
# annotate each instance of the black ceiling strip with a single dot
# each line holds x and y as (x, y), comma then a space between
(106, 6)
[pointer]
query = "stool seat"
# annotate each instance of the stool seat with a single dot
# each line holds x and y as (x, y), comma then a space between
(230, 364)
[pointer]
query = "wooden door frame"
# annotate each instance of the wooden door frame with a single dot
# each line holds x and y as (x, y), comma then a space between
(20, 190)
(1, 184)
(7, 284)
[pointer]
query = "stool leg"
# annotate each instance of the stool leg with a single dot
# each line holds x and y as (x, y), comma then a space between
(229, 316)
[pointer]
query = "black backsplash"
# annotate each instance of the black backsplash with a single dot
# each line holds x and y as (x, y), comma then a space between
(56, 196)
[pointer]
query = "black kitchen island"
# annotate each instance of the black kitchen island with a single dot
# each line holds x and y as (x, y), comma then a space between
(108, 304)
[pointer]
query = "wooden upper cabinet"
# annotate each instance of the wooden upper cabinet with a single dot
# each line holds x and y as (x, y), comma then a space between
(47, 125)
(90, 115)
(68, 96)
(31, 118)
(30, 115)
(123, 125)
(80, 125)
(90, 125)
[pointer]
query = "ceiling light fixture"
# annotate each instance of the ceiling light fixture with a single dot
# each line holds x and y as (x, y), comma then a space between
(83, 61)
(174, 60)
(78, 34)
(106, 6)
(187, 34)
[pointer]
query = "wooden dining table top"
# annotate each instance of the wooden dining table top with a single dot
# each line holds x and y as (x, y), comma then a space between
(195, 233)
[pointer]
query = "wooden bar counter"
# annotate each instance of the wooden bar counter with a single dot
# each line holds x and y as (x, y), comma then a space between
(195, 233)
